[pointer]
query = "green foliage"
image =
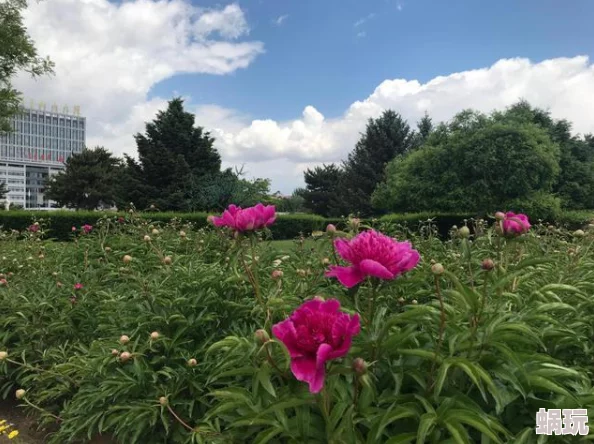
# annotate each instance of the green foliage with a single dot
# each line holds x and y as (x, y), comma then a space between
(385, 138)
(3, 190)
(467, 356)
(90, 180)
(476, 163)
(322, 190)
(17, 53)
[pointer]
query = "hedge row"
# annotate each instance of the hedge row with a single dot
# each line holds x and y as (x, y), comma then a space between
(287, 226)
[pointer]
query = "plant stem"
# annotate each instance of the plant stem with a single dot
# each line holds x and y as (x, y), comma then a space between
(442, 324)
(181, 421)
(30, 404)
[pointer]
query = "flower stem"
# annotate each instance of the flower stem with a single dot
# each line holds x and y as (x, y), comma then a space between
(30, 404)
(442, 324)
(178, 419)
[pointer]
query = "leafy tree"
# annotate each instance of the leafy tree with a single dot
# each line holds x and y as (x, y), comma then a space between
(424, 130)
(292, 204)
(17, 53)
(475, 163)
(3, 190)
(172, 155)
(385, 138)
(321, 193)
(91, 179)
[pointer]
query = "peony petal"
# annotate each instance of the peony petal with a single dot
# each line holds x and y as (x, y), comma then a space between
(304, 369)
(343, 247)
(369, 267)
(285, 332)
(348, 276)
(330, 306)
(323, 355)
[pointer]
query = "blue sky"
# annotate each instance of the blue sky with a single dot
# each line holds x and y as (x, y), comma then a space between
(317, 55)
(284, 95)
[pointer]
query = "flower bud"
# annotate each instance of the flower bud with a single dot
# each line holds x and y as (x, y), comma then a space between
(551, 227)
(359, 366)
(73, 229)
(55, 274)
(114, 352)
(125, 356)
(20, 394)
(276, 263)
(152, 207)
(155, 335)
(167, 260)
(155, 231)
(355, 223)
(414, 302)
(590, 226)
(210, 219)
(262, 336)
(277, 274)
(301, 272)
(488, 264)
(579, 233)
(464, 232)
(42, 256)
(325, 261)
(182, 234)
(107, 249)
(437, 269)
(59, 284)
(127, 259)
(330, 228)
(163, 401)
(500, 215)
(401, 300)
(3, 282)
(147, 238)
(319, 298)
(124, 339)
(192, 362)
(3, 355)
(130, 211)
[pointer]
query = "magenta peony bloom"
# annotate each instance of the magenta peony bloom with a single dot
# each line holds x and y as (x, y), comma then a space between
(372, 254)
(121, 220)
(247, 219)
(87, 228)
(515, 223)
(34, 228)
(78, 286)
(73, 229)
(315, 333)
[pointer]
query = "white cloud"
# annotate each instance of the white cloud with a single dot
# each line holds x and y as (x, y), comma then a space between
(108, 57)
(280, 20)
(362, 20)
(563, 85)
(361, 34)
(399, 6)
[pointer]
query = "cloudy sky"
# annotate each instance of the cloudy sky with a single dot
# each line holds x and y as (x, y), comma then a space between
(284, 85)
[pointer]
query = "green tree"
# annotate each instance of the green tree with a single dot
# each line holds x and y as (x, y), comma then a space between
(173, 154)
(91, 179)
(475, 163)
(385, 138)
(17, 53)
(321, 193)
(3, 190)
(424, 130)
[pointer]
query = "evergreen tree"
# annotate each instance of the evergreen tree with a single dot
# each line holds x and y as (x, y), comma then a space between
(385, 138)
(17, 53)
(172, 154)
(424, 130)
(321, 191)
(91, 179)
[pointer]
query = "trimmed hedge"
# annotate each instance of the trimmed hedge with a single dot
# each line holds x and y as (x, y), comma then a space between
(287, 226)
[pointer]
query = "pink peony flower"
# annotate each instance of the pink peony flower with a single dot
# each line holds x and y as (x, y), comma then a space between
(372, 254)
(315, 333)
(34, 228)
(78, 286)
(515, 223)
(73, 229)
(87, 228)
(121, 220)
(248, 219)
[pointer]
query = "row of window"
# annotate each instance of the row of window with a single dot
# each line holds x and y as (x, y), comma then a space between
(21, 137)
(27, 153)
(49, 120)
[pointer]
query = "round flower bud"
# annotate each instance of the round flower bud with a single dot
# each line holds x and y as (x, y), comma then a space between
(114, 352)
(500, 215)
(55, 274)
(3, 282)
(276, 262)
(192, 362)
(124, 339)
(319, 298)
(590, 226)
(42, 256)
(152, 207)
(107, 249)
(551, 227)
(163, 401)
(125, 356)
(20, 394)
(155, 335)
(130, 211)
(59, 284)
(401, 300)
(359, 366)
(579, 233)
(182, 234)
(325, 261)
(277, 274)
(354, 223)
(210, 219)
(262, 336)
(147, 238)
(167, 260)
(437, 269)
(331, 228)
(127, 259)
(464, 231)
(414, 302)
(155, 231)
(3, 355)
(301, 272)
(488, 264)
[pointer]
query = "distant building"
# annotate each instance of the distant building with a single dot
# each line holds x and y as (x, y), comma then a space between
(40, 144)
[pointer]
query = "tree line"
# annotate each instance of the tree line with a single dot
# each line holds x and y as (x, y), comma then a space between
(516, 158)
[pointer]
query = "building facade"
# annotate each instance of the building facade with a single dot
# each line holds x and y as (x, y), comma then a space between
(37, 149)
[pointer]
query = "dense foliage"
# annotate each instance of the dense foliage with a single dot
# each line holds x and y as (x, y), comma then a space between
(17, 53)
(168, 336)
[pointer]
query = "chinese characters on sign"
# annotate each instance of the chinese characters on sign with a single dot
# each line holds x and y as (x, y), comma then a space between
(562, 422)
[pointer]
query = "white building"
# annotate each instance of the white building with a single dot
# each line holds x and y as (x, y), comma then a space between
(37, 148)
